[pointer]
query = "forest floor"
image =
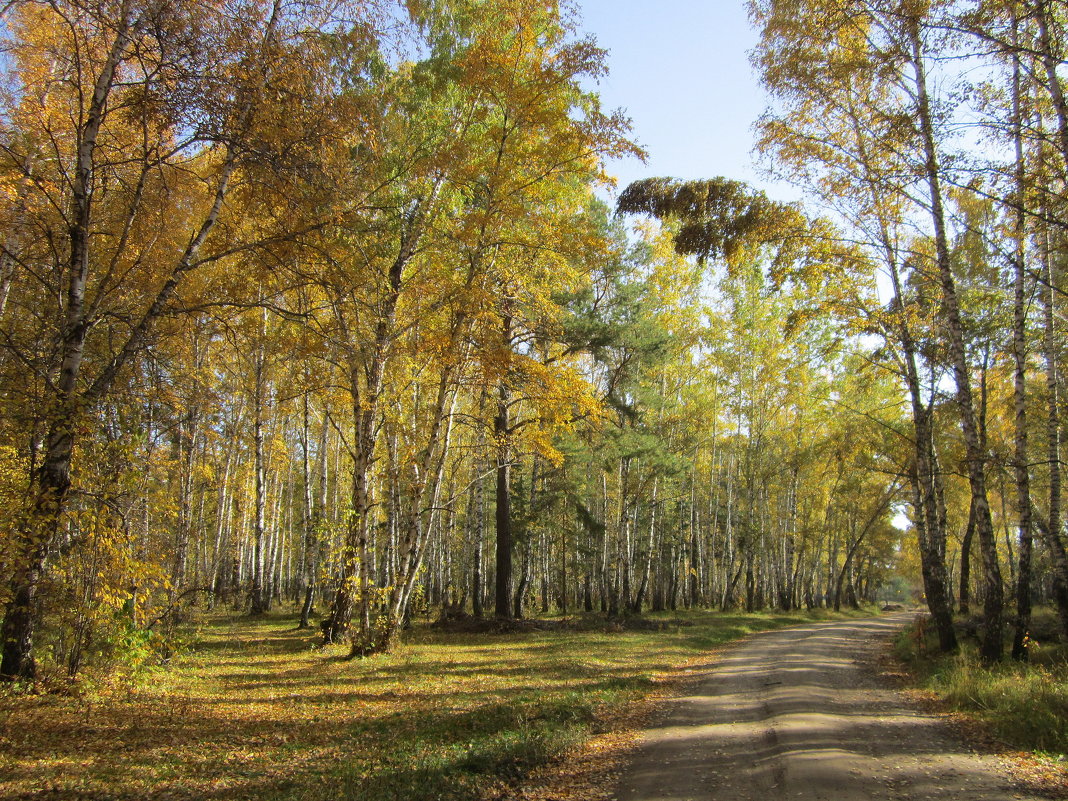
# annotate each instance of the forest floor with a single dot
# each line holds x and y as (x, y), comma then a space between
(812, 712)
(255, 709)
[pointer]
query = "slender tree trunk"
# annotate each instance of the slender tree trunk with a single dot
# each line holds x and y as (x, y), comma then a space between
(258, 592)
(520, 598)
(477, 580)
(931, 535)
(504, 534)
(1019, 354)
(365, 387)
(423, 509)
(1050, 64)
(993, 603)
(966, 562)
(41, 525)
(624, 540)
(310, 562)
(643, 586)
(695, 541)
(188, 437)
(1052, 530)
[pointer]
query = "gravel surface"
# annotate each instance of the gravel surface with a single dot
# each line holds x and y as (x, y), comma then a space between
(801, 713)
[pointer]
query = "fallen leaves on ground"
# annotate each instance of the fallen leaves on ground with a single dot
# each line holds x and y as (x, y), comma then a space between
(258, 711)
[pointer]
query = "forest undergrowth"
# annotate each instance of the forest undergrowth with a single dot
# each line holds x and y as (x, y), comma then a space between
(1017, 707)
(257, 709)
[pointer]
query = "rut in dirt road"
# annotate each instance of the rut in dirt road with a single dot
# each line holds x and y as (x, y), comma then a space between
(796, 714)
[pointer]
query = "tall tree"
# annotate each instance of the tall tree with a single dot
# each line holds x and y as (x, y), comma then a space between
(153, 122)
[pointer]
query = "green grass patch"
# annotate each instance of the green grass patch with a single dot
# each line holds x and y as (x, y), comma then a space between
(256, 709)
(1023, 704)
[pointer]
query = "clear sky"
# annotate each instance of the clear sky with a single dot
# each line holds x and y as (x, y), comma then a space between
(680, 69)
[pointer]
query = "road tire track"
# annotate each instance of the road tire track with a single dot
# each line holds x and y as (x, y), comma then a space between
(799, 714)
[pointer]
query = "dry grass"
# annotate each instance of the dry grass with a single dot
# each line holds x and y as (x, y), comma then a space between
(1025, 705)
(256, 710)
(1018, 710)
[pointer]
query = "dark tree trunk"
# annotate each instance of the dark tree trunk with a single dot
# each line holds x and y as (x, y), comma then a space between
(992, 644)
(519, 600)
(966, 562)
(930, 535)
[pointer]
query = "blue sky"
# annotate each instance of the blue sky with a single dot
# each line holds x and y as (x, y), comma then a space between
(680, 68)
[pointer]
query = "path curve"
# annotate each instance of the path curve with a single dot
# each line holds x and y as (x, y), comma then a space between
(799, 714)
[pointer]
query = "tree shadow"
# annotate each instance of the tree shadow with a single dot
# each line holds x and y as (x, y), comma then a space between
(252, 711)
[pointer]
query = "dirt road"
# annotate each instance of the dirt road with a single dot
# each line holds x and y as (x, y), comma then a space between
(799, 714)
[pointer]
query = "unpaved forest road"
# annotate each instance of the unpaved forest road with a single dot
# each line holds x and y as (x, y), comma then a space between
(799, 714)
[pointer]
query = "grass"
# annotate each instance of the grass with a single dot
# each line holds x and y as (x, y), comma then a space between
(1024, 705)
(257, 710)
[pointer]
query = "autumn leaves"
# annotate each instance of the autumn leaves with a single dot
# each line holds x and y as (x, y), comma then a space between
(365, 191)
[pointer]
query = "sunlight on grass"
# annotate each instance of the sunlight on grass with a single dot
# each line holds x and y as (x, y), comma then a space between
(257, 710)
(1025, 705)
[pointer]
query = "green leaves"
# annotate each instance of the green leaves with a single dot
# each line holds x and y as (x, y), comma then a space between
(716, 217)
